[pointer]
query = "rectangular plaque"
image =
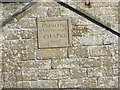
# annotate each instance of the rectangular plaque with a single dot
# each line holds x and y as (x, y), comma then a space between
(54, 32)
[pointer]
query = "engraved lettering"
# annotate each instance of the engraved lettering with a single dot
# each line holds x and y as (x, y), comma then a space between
(53, 33)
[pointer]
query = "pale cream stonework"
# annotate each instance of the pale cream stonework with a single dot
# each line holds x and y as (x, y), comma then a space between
(90, 62)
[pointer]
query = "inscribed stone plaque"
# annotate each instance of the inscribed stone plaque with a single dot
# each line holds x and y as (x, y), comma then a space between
(54, 32)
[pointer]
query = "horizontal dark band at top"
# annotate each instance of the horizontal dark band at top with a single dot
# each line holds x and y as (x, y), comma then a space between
(16, 1)
(60, 88)
(8, 1)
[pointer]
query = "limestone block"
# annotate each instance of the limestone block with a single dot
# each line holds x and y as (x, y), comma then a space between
(90, 82)
(9, 77)
(42, 64)
(16, 55)
(19, 77)
(26, 84)
(51, 53)
(44, 84)
(27, 23)
(19, 84)
(10, 84)
(107, 71)
(28, 54)
(71, 83)
(104, 4)
(95, 72)
(90, 63)
(80, 51)
(29, 34)
(106, 82)
(80, 30)
(96, 51)
(41, 12)
(30, 43)
(88, 40)
(66, 12)
(0, 67)
(78, 73)
(54, 11)
(29, 75)
(12, 55)
(1, 85)
(16, 44)
(11, 35)
(80, 21)
(108, 62)
(65, 63)
(109, 38)
(10, 66)
(116, 71)
(54, 74)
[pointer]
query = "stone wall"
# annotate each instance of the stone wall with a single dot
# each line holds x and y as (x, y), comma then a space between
(91, 61)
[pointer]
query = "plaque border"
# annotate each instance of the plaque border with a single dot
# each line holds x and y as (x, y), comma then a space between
(56, 19)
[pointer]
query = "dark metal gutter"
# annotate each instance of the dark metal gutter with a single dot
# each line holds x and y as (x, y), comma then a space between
(15, 15)
(90, 18)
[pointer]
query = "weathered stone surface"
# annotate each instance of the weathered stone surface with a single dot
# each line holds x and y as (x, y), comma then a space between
(116, 71)
(26, 84)
(86, 63)
(28, 54)
(16, 44)
(56, 11)
(96, 30)
(27, 23)
(19, 77)
(65, 63)
(29, 75)
(80, 30)
(71, 83)
(54, 32)
(52, 53)
(108, 62)
(16, 55)
(10, 66)
(41, 12)
(44, 84)
(96, 51)
(66, 12)
(106, 82)
(95, 72)
(0, 67)
(1, 77)
(107, 71)
(9, 76)
(42, 64)
(88, 40)
(80, 21)
(10, 84)
(1, 85)
(80, 51)
(29, 34)
(78, 73)
(30, 43)
(54, 74)
(20, 44)
(19, 84)
(109, 38)
(90, 82)
(93, 56)
(11, 35)
(104, 4)
(23, 84)
(13, 55)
